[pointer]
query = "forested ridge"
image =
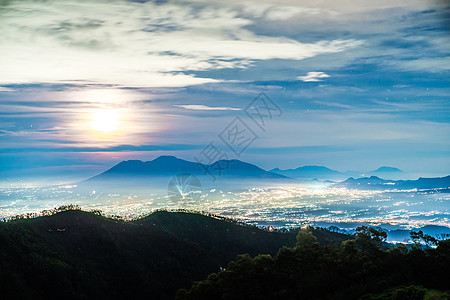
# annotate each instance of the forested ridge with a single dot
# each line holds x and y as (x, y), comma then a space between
(82, 255)
(360, 268)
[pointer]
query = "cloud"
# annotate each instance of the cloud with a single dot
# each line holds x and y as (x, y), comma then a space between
(221, 54)
(277, 12)
(6, 89)
(138, 44)
(429, 64)
(341, 6)
(313, 76)
(204, 107)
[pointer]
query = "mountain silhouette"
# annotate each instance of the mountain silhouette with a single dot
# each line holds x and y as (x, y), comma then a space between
(387, 173)
(385, 169)
(376, 183)
(312, 172)
(171, 165)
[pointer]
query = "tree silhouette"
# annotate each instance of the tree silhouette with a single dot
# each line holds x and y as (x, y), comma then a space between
(369, 238)
(419, 237)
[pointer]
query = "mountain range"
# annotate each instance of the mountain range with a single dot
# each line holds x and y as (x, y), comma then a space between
(156, 172)
(376, 183)
(171, 165)
(324, 173)
(312, 172)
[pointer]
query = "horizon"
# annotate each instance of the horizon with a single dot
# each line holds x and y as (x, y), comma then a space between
(288, 148)
(351, 88)
(379, 172)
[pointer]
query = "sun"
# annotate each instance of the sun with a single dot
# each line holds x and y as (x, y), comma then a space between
(105, 120)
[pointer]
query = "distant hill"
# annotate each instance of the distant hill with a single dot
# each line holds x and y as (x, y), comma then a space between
(324, 173)
(311, 172)
(385, 169)
(376, 183)
(80, 255)
(387, 172)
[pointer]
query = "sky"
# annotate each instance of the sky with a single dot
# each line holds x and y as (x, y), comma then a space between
(86, 84)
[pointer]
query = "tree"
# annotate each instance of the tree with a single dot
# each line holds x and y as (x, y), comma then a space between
(305, 239)
(370, 238)
(419, 237)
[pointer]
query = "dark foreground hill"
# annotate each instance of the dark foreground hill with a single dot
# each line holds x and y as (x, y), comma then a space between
(81, 255)
(355, 269)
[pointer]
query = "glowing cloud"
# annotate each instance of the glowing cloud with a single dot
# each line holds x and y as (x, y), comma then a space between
(313, 76)
(136, 44)
(204, 107)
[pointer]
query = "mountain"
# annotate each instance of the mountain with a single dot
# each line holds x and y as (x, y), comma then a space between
(387, 172)
(160, 166)
(312, 172)
(376, 183)
(79, 255)
(324, 173)
(385, 169)
(170, 166)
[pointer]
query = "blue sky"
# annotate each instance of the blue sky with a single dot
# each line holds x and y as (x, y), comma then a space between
(85, 84)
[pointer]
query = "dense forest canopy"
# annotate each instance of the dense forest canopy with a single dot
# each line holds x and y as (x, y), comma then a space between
(358, 268)
(69, 253)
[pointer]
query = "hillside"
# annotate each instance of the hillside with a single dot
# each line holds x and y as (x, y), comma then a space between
(79, 255)
(355, 269)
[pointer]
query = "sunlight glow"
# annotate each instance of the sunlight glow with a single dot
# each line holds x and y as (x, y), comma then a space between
(105, 120)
